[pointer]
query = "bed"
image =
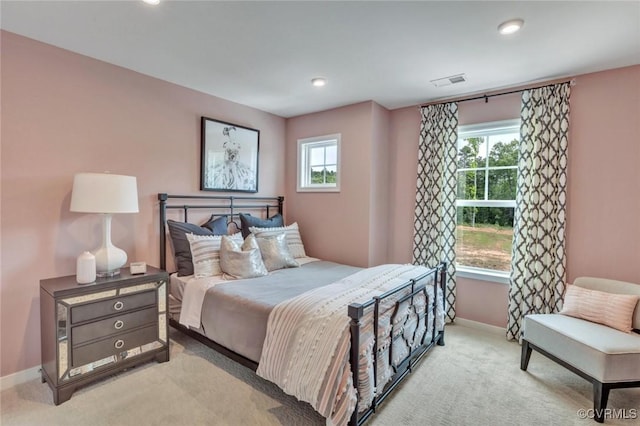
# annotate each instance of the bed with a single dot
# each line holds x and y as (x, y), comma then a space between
(358, 331)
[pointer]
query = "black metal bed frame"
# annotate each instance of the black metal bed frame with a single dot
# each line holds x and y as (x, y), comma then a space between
(356, 311)
(227, 204)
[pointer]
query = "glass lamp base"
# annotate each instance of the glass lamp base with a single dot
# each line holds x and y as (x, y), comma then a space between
(108, 274)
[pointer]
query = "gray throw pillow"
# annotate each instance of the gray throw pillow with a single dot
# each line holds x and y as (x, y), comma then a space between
(247, 221)
(275, 252)
(241, 262)
(217, 225)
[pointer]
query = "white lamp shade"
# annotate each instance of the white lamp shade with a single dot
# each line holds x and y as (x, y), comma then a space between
(104, 193)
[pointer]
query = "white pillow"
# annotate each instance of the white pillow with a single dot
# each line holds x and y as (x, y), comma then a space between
(275, 252)
(241, 262)
(205, 253)
(294, 241)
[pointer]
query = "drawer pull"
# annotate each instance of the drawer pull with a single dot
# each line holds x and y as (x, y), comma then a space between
(119, 344)
(118, 324)
(118, 305)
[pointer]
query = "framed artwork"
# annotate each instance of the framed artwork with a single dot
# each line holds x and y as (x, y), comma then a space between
(229, 157)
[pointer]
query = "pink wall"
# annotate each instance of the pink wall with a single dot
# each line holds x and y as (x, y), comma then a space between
(604, 176)
(334, 225)
(404, 132)
(379, 190)
(349, 226)
(64, 113)
(482, 301)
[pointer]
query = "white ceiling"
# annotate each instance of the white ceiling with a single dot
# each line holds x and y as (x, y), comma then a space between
(264, 54)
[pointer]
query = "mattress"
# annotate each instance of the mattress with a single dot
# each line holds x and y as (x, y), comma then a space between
(234, 313)
(176, 292)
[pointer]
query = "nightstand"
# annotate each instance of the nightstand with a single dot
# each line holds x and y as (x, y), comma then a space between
(93, 330)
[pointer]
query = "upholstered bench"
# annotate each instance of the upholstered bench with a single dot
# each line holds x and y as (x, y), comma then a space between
(607, 357)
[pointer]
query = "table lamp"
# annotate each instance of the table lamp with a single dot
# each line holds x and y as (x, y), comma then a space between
(105, 194)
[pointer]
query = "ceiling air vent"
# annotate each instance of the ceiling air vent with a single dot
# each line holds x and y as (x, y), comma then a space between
(447, 81)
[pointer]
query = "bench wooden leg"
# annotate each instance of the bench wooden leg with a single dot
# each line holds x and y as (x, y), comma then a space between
(600, 398)
(525, 355)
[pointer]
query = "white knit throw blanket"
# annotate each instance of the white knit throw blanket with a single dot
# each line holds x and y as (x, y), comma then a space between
(306, 349)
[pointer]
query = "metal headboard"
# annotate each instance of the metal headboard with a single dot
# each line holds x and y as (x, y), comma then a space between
(222, 206)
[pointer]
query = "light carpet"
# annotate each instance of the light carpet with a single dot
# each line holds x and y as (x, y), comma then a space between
(474, 380)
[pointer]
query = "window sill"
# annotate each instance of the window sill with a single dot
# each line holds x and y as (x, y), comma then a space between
(328, 189)
(483, 274)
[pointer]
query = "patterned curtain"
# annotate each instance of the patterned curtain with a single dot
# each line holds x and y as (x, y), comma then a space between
(538, 254)
(434, 226)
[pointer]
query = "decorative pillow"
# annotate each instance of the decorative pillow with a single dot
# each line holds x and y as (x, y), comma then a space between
(217, 225)
(275, 252)
(294, 241)
(241, 262)
(613, 310)
(247, 221)
(178, 232)
(205, 250)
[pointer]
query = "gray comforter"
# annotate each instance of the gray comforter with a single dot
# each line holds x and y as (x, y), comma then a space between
(235, 314)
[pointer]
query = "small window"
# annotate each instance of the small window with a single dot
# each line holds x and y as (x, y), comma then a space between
(487, 179)
(319, 164)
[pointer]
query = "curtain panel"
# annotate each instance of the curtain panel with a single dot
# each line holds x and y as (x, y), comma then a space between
(538, 261)
(435, 214)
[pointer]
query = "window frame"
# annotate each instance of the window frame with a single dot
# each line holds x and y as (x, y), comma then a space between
(304, 167)
(475, 130)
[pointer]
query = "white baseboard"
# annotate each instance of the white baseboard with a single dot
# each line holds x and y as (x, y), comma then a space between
(14, 379)
(481, 326)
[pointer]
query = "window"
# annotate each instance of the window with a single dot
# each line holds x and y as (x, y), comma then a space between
(318, 164)
(487, 180)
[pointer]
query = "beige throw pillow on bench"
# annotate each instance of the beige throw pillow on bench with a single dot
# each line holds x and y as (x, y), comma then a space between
(613, 310)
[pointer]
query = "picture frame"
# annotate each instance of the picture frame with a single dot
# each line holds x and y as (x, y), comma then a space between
(229, 157)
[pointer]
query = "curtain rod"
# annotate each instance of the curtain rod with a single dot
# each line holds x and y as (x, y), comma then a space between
(572, 82)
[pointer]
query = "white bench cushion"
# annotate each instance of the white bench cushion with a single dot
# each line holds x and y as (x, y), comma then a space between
(603, 353)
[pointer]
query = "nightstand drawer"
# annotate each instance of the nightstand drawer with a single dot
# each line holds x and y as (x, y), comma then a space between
(107, 307)
(117, 324)
(113, 345)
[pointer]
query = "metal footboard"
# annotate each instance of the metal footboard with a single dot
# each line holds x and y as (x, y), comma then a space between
(391, 304)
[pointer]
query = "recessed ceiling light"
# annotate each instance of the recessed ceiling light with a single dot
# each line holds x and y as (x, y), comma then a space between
(511, 26)
(319, 81)
(154, 2)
